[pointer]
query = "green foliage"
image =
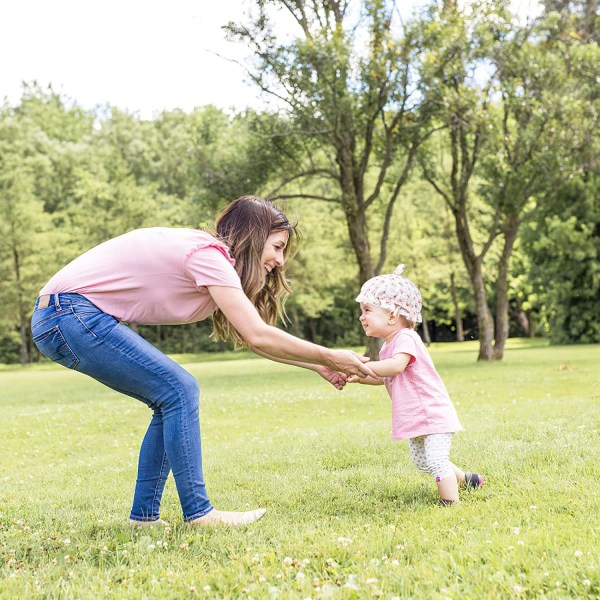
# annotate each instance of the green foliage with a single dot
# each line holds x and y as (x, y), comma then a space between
(504, 117)
(565, 260)
(348, 515)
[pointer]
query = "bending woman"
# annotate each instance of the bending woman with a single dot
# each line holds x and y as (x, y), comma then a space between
(173, 276)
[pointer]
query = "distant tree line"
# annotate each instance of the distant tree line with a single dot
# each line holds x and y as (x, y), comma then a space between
(459, 142)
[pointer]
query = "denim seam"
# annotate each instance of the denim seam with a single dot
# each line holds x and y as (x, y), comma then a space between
(56, 329)
(64, 311)
(85, 326)
(158, 485)
(174, 385)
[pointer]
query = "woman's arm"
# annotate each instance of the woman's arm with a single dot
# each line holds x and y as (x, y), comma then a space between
(337, 379)
(242, 314)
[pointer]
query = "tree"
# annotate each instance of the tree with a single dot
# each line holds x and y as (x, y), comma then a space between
(354, 106)
(23, 230)
(563, 247)
(549, 117)
(458, 43)
(520, 115)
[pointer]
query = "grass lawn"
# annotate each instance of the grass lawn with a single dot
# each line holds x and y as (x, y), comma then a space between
(348, 516)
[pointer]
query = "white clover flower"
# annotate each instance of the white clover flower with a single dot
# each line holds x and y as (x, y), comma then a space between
(351, 582)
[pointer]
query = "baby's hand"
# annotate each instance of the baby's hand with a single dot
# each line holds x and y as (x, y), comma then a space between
(353, 379)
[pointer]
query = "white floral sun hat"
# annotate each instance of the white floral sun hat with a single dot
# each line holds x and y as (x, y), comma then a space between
(395, 293)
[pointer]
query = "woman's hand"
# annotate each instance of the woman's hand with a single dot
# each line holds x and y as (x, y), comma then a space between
(350, 363)
(337, 379)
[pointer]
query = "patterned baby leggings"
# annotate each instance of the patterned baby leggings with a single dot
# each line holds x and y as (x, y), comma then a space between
(431, 454)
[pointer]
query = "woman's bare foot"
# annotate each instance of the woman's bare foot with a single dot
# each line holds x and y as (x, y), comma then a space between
(216, 518)
(135, 523)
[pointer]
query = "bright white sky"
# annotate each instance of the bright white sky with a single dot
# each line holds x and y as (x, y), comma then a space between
(143, 56)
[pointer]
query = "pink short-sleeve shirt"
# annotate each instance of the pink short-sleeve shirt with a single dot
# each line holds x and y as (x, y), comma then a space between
(152, 276)
(420, 403)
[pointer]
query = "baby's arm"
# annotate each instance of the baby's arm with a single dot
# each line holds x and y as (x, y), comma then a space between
(388, 367)
(367, 380)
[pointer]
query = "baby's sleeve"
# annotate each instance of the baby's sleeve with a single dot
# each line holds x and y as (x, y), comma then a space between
(403, 343)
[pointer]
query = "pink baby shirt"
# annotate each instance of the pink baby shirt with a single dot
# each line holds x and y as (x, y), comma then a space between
(420, 403)
(151, 276)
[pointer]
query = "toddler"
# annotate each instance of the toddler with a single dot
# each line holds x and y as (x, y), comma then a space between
(421, 408)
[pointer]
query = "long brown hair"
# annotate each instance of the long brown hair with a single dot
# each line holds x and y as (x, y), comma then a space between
(244, 226)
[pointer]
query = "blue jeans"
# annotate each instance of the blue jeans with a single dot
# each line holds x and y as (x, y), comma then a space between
(78, 335)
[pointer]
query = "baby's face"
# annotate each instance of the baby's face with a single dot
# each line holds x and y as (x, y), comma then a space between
(376, 321)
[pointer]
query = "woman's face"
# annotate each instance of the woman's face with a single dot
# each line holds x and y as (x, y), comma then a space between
(272, 255)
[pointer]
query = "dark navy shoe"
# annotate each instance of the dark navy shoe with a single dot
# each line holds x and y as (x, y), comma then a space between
(473, 481)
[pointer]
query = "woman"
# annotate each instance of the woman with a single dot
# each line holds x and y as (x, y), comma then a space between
(168, 276)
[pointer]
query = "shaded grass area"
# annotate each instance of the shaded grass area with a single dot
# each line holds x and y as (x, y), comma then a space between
(348, 515)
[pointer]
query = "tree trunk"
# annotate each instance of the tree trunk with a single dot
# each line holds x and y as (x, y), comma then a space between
(357, 229)
(373, 348)
(426, 334)
(23, 350)
(523, 318)
(294, 321)
(194, 338)
(458, 319)
(485, 322)
(23, 320)
(502, 323)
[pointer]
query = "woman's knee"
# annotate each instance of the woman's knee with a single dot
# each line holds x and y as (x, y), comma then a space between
(184, 392)
(191, 390)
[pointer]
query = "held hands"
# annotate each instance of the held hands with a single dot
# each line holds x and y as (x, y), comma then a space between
(337, 379)
(351, 363)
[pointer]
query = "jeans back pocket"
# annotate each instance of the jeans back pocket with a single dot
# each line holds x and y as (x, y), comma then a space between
(52, 344)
